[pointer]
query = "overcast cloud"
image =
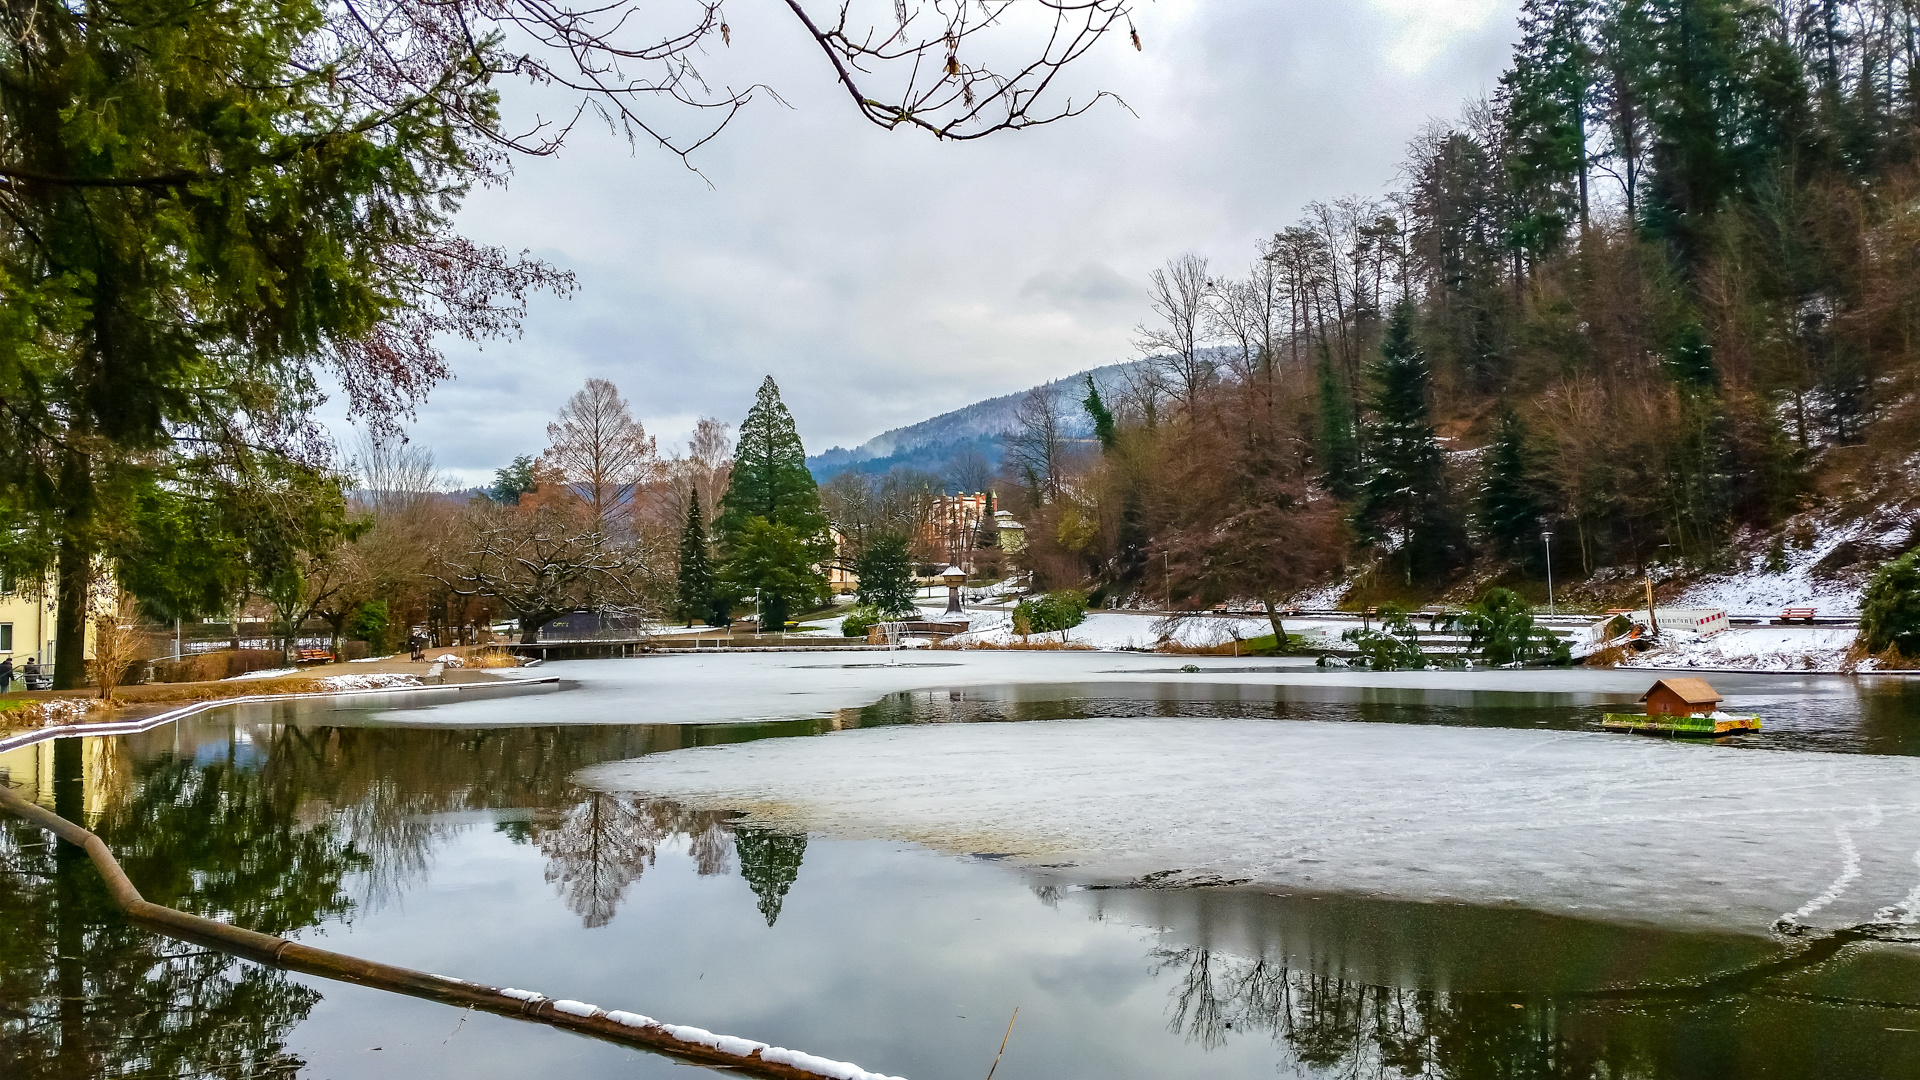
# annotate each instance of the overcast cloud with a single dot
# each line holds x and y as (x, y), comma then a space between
(882, 278)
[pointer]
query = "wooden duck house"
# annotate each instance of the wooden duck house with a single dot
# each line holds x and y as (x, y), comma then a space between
(1682, 707)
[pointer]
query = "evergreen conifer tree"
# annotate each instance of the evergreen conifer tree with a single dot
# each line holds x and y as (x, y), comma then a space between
(886, 575)
(770, 863)
(1510, 504)
(1104, 427)
(1403, 494)
(1339, 450)
(772, 530)
(693, 593)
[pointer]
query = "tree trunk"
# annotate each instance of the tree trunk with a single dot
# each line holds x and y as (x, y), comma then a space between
(73, 582)
(1273, 619)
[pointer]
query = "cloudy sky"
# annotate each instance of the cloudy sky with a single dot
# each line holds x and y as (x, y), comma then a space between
(882, 278)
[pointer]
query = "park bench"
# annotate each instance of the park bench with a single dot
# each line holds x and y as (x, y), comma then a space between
(315, 656)
(1800, 614)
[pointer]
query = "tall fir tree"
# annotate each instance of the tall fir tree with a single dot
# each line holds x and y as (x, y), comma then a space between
(1402, 496)
(1339, 449)
(1511, 511)
(773, 533)
(770, 864)
(694, 590)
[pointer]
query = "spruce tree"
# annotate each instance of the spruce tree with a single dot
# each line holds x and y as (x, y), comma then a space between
(773, 533)
(1403, 494)
(693, 594)
(1510, 504)
(1339, 451)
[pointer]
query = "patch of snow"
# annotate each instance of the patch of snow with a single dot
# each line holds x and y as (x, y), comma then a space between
(448, 659)
(265, 673)
(1755, 590)
(522, 995)
(1587, 824)
(367, 682)
(1321, 597)
(1765, 648)
(373, 659)
(575, 1008)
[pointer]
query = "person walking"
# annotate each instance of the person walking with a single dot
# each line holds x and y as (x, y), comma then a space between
(30, 672)
(6, 675)
(418, 645)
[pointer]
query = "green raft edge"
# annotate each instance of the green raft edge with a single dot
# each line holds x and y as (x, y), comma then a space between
(1662, 725)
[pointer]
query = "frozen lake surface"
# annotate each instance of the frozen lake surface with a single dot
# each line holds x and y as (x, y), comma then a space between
(1586, 824)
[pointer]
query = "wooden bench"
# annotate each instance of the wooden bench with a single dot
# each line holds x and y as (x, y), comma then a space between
(315, 656)
(1800, 614)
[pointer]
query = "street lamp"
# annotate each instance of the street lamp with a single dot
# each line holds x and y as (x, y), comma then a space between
(1548, 537)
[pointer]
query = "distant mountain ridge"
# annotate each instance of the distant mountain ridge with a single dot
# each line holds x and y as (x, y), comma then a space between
(930, 444)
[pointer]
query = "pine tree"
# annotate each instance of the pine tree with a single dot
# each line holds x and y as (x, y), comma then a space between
(1544, 98)
(1339, 451)
(693, 594)
(1510, 504)
(770, 863)
(772, 530)
(1403, 495)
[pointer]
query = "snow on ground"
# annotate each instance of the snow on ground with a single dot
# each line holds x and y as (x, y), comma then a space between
(264, 673)
(366, 682)
(1766, 648)
(373, 659)
(1756, 590)
(1609, 826)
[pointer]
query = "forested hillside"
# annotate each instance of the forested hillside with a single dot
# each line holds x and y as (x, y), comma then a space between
(1657, 297)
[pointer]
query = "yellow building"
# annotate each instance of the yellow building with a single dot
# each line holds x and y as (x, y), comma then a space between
(26, 627)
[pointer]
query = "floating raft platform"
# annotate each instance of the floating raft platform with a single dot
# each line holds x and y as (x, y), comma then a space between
(1702, 727)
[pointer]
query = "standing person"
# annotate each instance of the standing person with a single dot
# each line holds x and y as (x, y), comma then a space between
(6, 675)
(415, 643)
(30, 672)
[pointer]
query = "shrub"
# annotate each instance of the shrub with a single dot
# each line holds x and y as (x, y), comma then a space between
(1394, 644)
(1890, 608)
(1500, 631)
(857, 620)
(1044, 614)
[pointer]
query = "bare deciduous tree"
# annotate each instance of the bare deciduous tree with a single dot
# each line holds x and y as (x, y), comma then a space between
(1179, 295)
(1036, 447)
(545, 561)
(599, 450)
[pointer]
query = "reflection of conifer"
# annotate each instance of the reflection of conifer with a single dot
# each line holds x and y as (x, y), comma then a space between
(770, 861)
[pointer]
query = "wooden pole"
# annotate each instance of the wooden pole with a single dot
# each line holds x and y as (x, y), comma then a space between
(688, 1044)
(1653, 619)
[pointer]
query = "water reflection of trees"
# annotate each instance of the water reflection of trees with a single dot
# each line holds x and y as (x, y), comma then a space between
(84, 994)
(598, 846)
(1338, 1027)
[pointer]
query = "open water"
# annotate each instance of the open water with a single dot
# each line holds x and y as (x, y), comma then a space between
(471, 851)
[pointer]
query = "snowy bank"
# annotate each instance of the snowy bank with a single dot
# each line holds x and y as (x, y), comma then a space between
(1605, 826)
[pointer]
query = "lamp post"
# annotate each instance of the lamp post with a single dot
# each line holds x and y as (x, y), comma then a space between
(1166, 571)
(1548, 537)
(954, 578)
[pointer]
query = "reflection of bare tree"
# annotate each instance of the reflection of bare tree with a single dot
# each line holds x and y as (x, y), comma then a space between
(594, 850)
(600, 845)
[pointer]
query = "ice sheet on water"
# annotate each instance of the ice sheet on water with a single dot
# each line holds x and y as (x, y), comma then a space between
(1608, 826)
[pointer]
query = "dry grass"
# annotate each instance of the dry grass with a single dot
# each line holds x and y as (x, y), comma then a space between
(491, 658)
